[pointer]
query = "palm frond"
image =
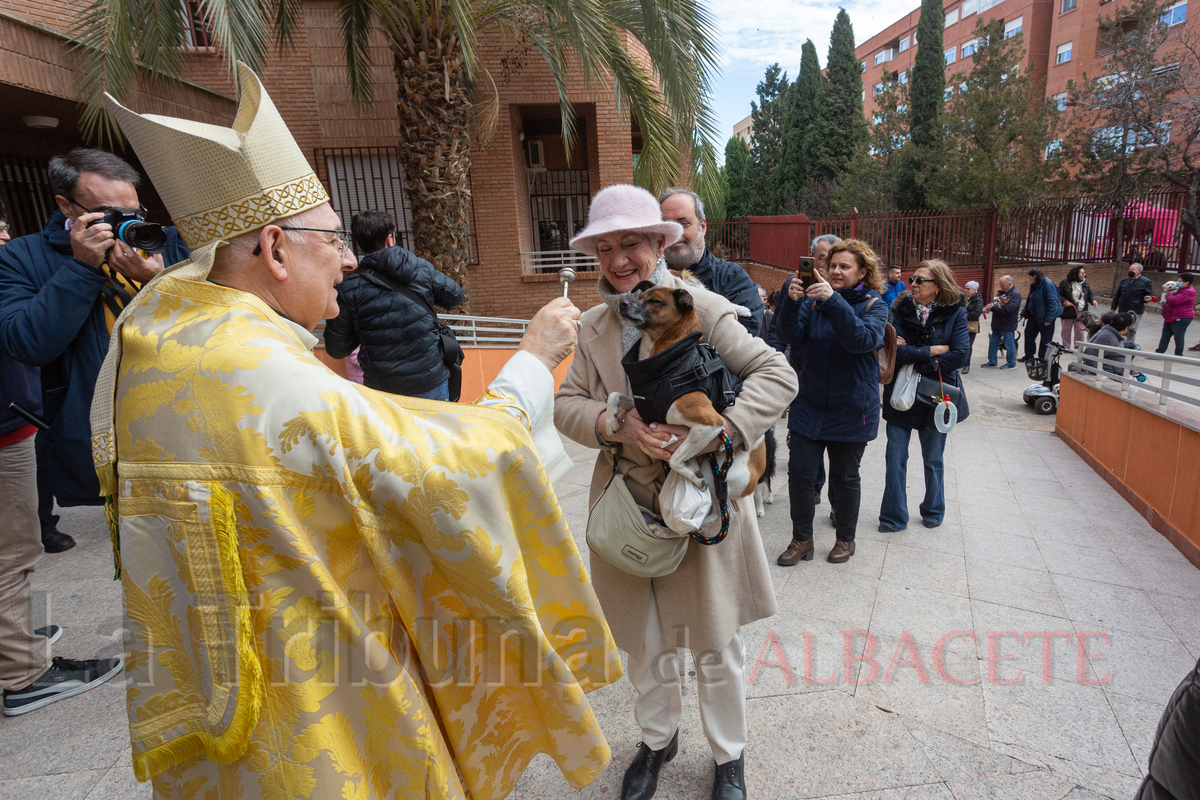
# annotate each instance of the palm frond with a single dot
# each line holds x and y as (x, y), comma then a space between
(357, 18)
(105, 43)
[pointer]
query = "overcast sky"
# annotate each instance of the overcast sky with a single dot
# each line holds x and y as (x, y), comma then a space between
(754, 34)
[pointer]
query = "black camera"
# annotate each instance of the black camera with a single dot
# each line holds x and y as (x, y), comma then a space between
(130, 227)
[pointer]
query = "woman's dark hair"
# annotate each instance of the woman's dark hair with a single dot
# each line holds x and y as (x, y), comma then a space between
(1122, 320)
(1186, 277)
(773, 299)
(1073, 275)
(1036, 273)
(370, 230)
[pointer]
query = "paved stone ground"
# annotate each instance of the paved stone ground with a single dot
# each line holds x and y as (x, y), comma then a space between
(1033, 542)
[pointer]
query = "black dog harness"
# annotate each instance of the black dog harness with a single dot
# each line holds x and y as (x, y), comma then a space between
(686, 366)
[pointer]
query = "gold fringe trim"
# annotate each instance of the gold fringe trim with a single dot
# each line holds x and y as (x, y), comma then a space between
(113, 518)
(107, 473)
(232, 744)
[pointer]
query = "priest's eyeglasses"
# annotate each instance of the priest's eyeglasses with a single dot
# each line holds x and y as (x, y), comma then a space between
(339, 241)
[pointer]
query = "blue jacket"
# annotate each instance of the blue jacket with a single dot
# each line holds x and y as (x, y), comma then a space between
(839, 385)
(52, 316)
(892, 290)
(946, 325)
(731, 281)
(1044, 304)
(1006, 314)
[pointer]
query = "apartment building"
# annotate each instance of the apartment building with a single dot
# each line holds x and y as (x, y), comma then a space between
(1063, 41)
(529, 198)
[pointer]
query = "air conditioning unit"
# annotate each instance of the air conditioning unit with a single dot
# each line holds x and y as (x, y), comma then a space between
(535, 155)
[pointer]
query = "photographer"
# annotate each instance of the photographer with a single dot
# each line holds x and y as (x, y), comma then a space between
(1006, 307)
(56, 288)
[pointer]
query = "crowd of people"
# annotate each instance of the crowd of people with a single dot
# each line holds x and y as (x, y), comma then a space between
(433, 506)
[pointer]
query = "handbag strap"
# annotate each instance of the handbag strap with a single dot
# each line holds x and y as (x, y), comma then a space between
(391, 283)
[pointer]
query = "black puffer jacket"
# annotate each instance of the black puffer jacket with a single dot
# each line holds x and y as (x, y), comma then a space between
(401, 349)
(1174, 772)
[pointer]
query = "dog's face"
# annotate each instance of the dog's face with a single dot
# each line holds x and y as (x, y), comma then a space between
(657, 309)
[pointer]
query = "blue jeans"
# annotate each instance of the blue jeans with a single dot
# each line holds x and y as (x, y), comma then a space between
(439, 392)
(1010, 347)
(1175, 330)
(894, 511)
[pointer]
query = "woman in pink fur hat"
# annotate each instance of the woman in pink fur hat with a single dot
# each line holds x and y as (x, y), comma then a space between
(716, 589)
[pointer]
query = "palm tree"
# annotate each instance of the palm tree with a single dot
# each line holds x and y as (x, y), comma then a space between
(444, 94)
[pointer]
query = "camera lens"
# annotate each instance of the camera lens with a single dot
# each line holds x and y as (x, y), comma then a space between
(143, 236)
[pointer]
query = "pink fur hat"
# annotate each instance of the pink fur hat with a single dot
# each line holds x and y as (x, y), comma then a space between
(623, 207)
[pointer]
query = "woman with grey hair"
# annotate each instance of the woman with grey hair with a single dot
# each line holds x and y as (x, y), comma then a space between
(974, 312)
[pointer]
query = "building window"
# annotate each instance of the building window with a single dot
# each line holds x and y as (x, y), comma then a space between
(197, 29)
(1053, 149)
(951, 54)
(951, 17)
(1175, 15)
(558, 202)
(902, 109)
(1064, 54)
(877, 89)
(1067, 5)
(362, 178)
(884, 55)
(903, 77)
(968, 48)
(969, 7)
(949, 93)
(1060, 101)
(1013, 27)
(904, 44)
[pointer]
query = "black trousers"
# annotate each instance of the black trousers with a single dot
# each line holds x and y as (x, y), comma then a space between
(805, 457)
(1034, 329)
(46, 515)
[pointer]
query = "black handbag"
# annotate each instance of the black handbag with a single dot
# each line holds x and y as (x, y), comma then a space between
(931, 391)
(452, 352)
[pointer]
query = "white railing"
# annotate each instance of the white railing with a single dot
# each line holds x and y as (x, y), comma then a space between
(554, 260)
(1141, 361)
(496, 332)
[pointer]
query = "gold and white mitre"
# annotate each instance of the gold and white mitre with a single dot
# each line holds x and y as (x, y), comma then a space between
(217, 183)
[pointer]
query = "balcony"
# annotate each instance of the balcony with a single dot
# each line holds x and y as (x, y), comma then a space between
(551, 261)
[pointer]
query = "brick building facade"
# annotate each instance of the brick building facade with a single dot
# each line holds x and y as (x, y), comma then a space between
(1063, 41)
(528, 197)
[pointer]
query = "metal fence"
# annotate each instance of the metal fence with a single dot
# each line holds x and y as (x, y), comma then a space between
(1095, 362)
(729, 239)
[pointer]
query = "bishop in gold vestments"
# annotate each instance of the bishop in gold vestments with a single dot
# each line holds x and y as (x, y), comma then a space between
(332, 592)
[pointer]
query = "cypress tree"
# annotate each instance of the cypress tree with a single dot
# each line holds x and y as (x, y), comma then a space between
(926, 92)
(799, 114)
(840, 127)
(737, 159)
(766, 151)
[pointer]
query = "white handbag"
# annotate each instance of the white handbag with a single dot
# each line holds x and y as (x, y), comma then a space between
(685, 506)
(904, 390)
(628, 536)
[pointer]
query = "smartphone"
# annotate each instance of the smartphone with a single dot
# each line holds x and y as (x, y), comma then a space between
(805, 271)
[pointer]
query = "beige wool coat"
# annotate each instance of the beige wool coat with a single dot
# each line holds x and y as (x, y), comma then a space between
(718, 588)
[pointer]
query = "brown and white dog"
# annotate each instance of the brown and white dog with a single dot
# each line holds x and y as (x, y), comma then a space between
(665, 317)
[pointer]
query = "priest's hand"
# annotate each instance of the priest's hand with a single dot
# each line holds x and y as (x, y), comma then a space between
(552, 332)
(125, 260)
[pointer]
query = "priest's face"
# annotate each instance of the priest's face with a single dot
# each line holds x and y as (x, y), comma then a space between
(317, 268)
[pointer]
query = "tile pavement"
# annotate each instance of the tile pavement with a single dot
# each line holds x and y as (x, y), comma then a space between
(1035, 548)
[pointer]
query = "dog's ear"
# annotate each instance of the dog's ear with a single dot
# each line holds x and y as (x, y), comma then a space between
(683, 300)
(643, 286)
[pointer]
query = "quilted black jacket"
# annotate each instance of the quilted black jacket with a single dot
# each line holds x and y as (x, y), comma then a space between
(1175, 759)
(400, 350)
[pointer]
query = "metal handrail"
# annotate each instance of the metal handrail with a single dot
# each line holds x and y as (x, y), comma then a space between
(1166, 374)
(498, 332)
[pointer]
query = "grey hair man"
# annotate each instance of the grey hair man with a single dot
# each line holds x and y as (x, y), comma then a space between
(821, 245)
(1131, 297)
(1005, 309)
(691, 253)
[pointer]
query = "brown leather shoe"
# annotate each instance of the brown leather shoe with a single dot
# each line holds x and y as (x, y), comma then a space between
(795, 553)
(841, 552)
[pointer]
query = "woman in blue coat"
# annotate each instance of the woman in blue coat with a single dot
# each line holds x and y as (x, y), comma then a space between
(931, 334)
(837, 324)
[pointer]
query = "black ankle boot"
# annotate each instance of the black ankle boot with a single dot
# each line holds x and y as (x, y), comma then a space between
(641, 779)
(729, 783)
